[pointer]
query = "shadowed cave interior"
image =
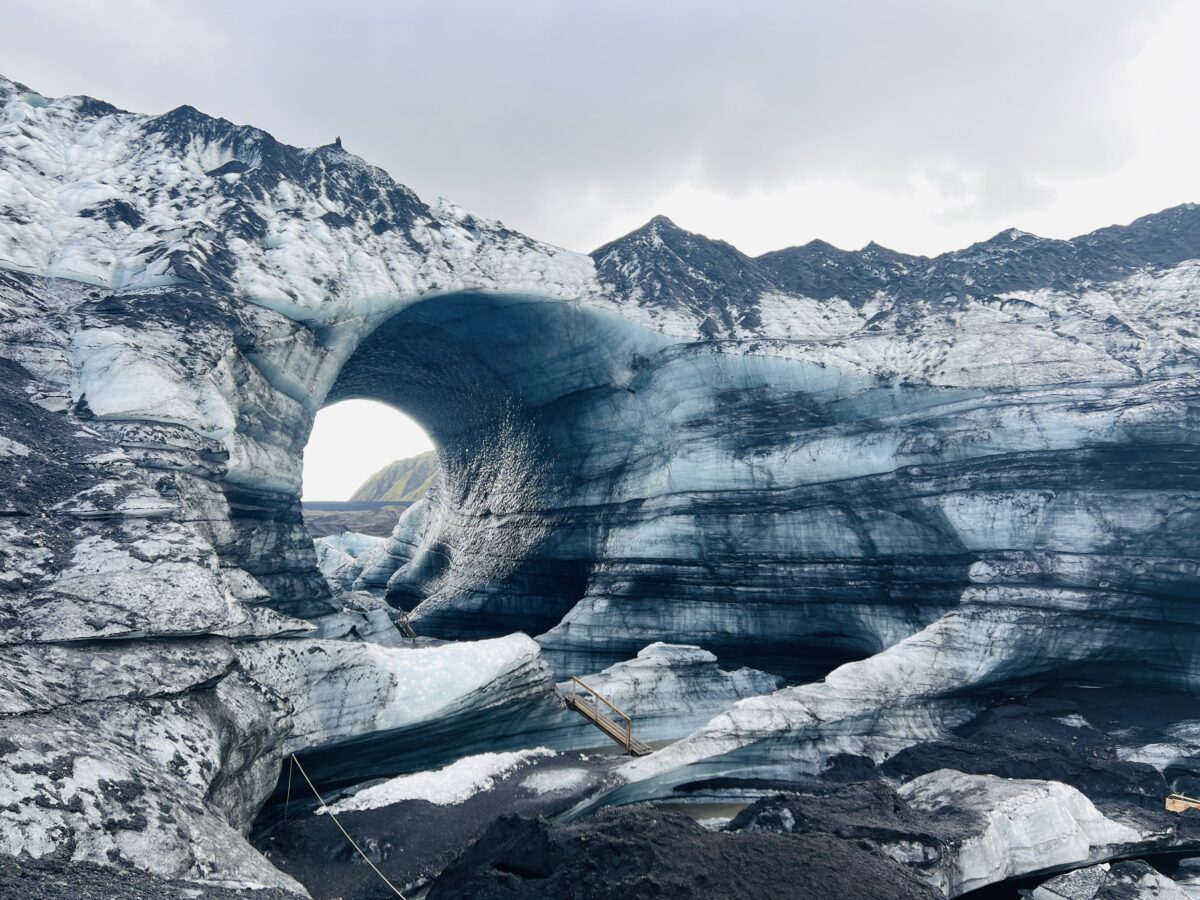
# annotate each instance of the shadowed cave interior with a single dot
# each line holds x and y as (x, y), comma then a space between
(542, 453)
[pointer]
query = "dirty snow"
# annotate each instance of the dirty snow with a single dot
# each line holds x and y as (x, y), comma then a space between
(453, 784)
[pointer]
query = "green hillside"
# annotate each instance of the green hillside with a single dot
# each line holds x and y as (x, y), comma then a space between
(404, 479)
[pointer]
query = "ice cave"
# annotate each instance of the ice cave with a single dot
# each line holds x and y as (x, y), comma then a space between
(889, 561)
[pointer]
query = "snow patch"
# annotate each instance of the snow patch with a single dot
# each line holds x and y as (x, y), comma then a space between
(557, 781)
(448, 786)
(12, 448)
(1074, 721)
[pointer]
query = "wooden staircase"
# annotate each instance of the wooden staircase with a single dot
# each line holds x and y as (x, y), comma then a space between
(403, 626)
(593, 710)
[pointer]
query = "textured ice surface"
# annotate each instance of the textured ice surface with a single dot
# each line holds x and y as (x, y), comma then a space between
(350, 689)
(338, 554)
(670, 689)
(1023, 826)
(923, 478)
(146, 201)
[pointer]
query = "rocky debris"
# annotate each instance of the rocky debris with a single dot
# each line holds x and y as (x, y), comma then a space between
(413, 840)
(962, 832)
(54, 879)
(1075, 734)
(639, 852)
(870, 813)
(1128, 880)
(1094, 739)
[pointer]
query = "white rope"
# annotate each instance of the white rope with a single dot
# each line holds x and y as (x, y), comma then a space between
(288, 803)
(353, 844)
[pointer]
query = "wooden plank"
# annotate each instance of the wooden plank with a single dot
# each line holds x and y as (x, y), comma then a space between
(1177, 803)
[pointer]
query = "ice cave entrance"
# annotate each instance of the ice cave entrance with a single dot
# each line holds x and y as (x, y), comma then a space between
(362, 459)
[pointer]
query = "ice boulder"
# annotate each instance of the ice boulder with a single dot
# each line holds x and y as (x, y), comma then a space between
(671, 689)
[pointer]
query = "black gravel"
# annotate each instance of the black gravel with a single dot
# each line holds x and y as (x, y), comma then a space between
(410, 841)
(49, 879)
(637, 852)
(1024, 738)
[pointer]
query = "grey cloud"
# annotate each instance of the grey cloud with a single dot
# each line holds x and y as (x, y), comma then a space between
(512, 108)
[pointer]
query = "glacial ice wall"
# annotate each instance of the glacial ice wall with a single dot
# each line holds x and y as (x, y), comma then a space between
(925, 478)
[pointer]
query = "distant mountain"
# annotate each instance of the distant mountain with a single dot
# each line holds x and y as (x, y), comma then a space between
(671, 273)
(661, 264)
(821, 270)
(403, 480)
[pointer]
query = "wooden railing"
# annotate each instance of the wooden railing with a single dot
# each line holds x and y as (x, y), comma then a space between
(576, 682)
(591, 710)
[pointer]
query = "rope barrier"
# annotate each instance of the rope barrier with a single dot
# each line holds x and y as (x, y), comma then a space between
(288, 802)
(329, 812)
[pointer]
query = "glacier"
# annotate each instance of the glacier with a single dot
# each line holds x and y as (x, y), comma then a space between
(879, 495)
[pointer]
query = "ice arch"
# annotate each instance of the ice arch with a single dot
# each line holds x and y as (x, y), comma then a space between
(605, 486)
(517, 392)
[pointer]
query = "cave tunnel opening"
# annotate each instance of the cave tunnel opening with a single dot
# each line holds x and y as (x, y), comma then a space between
(488, 550)
(364, 464)
(556, 428)
(352, 440)
(584, 497)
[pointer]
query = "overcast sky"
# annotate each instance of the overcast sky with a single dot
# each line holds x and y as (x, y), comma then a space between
(923, 124)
